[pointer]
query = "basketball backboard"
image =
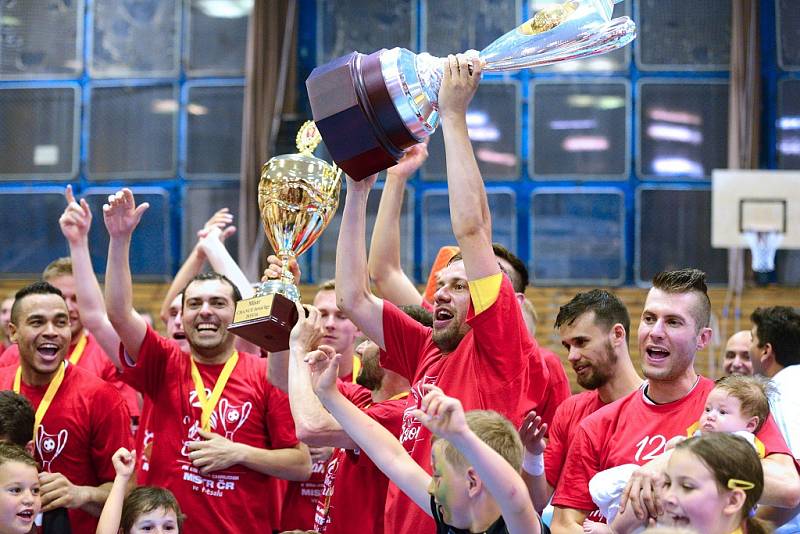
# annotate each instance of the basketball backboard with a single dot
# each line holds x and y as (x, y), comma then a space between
(754, 201)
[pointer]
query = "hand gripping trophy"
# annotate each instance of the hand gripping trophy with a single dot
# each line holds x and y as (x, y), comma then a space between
(297, 196)
(388, 100)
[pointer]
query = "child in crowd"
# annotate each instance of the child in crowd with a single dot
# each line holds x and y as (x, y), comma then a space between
(712, 484)
(19, 490)
(476, 457)
(145, 509)
(737, 404)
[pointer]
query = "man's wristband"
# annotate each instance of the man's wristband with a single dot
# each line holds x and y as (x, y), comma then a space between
(533, 464)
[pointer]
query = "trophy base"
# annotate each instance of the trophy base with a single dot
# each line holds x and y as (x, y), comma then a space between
(265, 321)
(356, 116)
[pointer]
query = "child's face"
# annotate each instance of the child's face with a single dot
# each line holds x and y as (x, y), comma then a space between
(19, 497)
(448, 489)
(155, 522)
(723, 413)
(692, 498)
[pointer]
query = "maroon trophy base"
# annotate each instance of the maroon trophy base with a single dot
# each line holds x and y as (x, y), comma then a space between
(265, 321)
(355, 115)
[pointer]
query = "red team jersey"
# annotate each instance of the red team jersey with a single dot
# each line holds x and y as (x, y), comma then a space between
(250, 411)
(632, 430)
(354, 489)
(84, 426)
(563, 428)
(490, 369)
(93, 360)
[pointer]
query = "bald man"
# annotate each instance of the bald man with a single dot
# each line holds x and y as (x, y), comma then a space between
(737, 354)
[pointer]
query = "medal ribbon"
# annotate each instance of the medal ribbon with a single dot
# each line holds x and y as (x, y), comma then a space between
(75, 357)
(49, 395)
(209, 404)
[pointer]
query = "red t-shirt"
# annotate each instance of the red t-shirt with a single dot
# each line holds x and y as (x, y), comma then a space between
(491, 369)
(563, 428)
(558, 389)
(250, 411)
(354, 490)
(85, 424)
(633, 431)
(94, 360)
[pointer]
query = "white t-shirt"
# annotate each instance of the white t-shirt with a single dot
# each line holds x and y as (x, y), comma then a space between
(785, 408)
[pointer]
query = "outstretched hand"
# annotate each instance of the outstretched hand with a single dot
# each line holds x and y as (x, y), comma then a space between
(364, 185)
(76, 219)
(124, 462)
(532, 432)
(412, 160)
(308, 330)
(461, 77)
(221, 220)
(275, 269)
(121, 214)
(324, 365)
(442, 415)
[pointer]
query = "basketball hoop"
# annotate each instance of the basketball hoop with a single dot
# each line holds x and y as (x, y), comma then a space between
(763, 245)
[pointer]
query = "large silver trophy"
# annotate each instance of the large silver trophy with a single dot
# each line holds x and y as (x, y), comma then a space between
(369, 108)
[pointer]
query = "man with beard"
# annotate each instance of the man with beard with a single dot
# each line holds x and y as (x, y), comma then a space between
(80, 419)
(636, 428)
(737, 354)
(593, 327)
(478, 350)
(223, 430)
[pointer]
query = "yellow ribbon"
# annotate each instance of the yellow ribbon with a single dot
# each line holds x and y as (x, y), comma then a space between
(75, 357)
(49, 395)
(356, 367)
(208, 404)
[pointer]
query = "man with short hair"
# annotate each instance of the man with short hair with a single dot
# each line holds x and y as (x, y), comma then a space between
(594, 328)
(775, 353)
(84, 419)
(636, 428)
(737, 354)
(478, 350)
(223, 431)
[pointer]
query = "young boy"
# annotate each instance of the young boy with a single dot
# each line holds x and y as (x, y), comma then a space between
(737, 404)
(476, 485)
(20, 502)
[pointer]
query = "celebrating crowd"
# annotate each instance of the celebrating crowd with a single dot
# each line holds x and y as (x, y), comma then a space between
(406, 413)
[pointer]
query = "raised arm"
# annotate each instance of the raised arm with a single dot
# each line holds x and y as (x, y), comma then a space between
(75, 223)
(353, 294)
(314, 425)
(121, 216)
(532, 432)
(385, 268)
(221, 260)
(124, 463)
(194, 262)
(444, 416)
(469, 207)
(378, 443)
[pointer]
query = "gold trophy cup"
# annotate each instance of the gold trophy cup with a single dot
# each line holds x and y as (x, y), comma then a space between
(298, 195)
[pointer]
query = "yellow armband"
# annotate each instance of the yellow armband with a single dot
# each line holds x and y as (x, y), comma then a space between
(484, 291)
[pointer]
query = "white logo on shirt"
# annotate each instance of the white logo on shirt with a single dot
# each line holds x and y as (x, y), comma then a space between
(49, 446)
(411, 425)
(655, 445)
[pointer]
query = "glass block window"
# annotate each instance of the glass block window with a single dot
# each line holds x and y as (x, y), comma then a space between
(132, 132)
(323, 252)
(494, 128)
(578, 236)
(683, 129)
(41, 39)
(363, 25)
(30, 243)
(617, 60)
(450, 29)
(580, 130)
(787, 267)
(216, 38)
(214, 131)
(151, 255)
(788, 34)
(673, 230)
(45, 148)
(135, 38)
(204, 201)
(788, 124)
(679, 35)
(437, 230)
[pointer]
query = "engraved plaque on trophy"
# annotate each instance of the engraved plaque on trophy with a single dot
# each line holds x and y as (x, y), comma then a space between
(370, 108)
(297, 196)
